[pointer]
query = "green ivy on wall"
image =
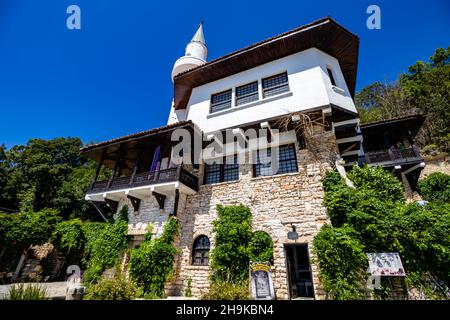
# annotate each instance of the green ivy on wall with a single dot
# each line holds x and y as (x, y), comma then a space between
(151, 264)
(373, 217)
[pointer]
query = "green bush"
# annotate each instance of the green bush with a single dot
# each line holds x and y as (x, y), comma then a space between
(230, 257)
(27, 228)
(151, 265)
(436, 187)
(69, 236)
(116, 288)
(385, 185)
(373, 218)
(226, 290)
(261, 247)
(26, 292)
(342, 262)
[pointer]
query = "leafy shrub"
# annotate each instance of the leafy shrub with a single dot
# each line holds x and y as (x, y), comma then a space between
(436, 187)
(69, 236)
(366, 218)
(227, 290)
(383, 183)
(28, 228)
(230, 258)
(26, 292)
(341, 260)
(261, 247)
(116, 288)
(104, 249)
(151, 264)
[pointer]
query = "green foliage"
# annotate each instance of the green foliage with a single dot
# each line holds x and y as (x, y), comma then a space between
(228, 290)
(342, 262)
(371, 218)
(47, 174)
(381, 182)
(29, 228)
(436, 187)
(104, 249)
(116, 288)
(230, 258)
(260, 248)
(425, 88)
(188, 290)
(26, 292)
(69, 236)
(151, 265)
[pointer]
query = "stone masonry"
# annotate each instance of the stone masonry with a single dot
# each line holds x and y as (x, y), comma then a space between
(276, 202)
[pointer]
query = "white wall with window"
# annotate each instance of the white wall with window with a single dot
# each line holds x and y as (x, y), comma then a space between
(233, 101)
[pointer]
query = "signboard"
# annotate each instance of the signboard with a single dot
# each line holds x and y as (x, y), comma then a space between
(385, 264)
(261, 279)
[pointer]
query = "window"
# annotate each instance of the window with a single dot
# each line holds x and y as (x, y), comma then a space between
(200, 251)
(275, 85)
(287, 162)
(221, 101)
(222, 172)
(247, 93)
(330, 74)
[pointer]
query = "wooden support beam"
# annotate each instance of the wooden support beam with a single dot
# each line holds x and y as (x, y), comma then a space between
(136, 166)
(177, 199)
(160, 198)
(135, 202)
(97, 206)
(112, 204)
(99, 167)
(116, 164)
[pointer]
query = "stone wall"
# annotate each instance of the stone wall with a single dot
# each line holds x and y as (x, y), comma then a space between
(442, 165)
(149, 212)
(276, 202)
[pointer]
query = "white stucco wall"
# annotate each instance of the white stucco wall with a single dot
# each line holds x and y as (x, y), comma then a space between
(309, 84)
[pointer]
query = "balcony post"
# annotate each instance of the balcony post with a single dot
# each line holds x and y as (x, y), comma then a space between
(136, 166)
(116, 164)
(97, 171)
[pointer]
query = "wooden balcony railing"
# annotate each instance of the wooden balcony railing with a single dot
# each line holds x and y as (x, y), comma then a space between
(391, 155)
(147, 178)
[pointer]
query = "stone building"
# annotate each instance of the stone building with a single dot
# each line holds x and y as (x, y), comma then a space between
(295, 92)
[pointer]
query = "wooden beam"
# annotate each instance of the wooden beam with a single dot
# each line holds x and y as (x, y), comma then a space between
(136, 166)
(177, 199)
(160, 198)
(97, 206)
(135, 202)
(116, 164)
(99, 167)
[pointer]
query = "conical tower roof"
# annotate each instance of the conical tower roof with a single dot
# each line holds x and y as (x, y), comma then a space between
(199, 36)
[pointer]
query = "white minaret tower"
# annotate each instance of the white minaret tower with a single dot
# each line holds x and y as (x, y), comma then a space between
(195, 54)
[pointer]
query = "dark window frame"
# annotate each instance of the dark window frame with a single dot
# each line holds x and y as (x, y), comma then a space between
(254, 95)
(222, 104)
(331, 76)
(278, 88)
(227, 172)
(200, 251)
(287, 161)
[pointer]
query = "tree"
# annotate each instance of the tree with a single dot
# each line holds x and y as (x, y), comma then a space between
(425, 88)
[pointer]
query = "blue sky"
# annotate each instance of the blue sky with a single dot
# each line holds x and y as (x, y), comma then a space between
(113, 77)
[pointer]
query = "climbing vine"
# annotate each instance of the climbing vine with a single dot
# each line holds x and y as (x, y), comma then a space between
(151, 264)
(102, 251)
(373, 217)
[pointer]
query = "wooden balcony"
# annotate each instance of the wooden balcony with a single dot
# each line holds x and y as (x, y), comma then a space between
(390, 156)
(147, 179)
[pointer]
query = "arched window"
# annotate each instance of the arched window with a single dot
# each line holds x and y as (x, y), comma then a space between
(200, 251)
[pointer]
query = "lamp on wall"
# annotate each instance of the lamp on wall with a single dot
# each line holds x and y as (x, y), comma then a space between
(293, 235)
